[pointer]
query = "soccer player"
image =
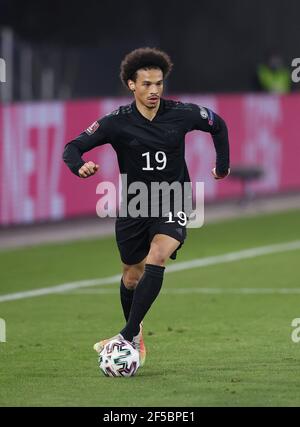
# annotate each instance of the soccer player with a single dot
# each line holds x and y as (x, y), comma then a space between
(148, 136)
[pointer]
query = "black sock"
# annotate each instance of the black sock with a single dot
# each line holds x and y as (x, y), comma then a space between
(144, 295)
(126, 296)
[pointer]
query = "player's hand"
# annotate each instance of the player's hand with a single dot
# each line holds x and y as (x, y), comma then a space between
(214, 173)
(88, 169)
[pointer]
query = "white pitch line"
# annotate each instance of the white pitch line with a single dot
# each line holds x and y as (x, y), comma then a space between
(215, 291)
(236, 256)
(180, 266)
(60, 288)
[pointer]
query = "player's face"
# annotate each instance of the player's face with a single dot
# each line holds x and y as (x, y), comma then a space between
(148, 87)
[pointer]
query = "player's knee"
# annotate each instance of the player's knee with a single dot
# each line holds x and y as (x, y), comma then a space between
(130, 282)
(131, 278)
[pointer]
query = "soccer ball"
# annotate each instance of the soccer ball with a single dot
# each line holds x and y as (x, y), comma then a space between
(119, 359)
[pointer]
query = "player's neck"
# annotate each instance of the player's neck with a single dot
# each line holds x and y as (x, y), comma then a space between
(149, 113)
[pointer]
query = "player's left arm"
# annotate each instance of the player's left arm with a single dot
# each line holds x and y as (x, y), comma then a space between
(204, 119)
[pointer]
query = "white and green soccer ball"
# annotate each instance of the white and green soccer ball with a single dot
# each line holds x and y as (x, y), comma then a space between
(119, 359)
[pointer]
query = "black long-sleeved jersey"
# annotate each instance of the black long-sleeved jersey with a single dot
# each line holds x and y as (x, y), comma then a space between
(152, 151)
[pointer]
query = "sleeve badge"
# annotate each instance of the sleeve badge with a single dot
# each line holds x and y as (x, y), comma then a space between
(92, 129)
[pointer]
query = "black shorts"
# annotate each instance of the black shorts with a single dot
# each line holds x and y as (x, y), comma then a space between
(134, 236)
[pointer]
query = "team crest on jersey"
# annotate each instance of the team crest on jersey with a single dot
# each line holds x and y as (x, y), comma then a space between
(92, 129)
(203, 113)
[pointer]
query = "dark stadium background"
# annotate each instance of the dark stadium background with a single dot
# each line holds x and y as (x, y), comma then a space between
(215, 46)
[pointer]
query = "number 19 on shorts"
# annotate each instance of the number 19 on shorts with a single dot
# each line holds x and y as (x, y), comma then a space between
(182, 218)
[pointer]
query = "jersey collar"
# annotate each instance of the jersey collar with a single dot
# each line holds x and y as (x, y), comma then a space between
(159, 111)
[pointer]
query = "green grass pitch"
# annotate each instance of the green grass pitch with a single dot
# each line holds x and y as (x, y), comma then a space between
(220, 348)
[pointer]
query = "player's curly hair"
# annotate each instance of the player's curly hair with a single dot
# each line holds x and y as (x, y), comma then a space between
(144, 57)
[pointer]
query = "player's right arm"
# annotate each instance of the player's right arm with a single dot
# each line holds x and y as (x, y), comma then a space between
(94, 136)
